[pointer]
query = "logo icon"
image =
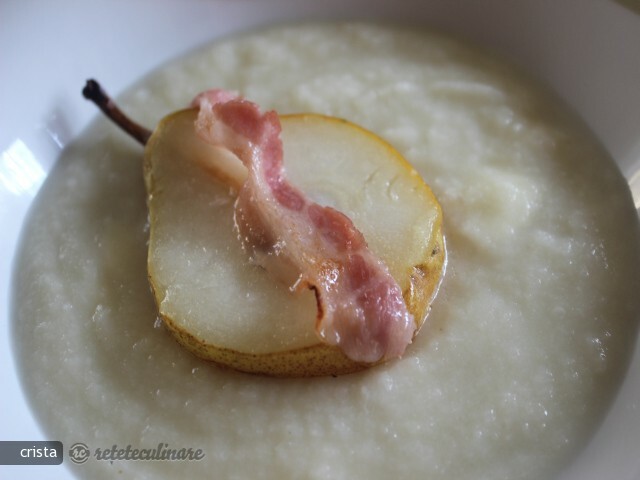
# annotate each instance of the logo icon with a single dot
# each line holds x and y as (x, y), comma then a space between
(79, 453)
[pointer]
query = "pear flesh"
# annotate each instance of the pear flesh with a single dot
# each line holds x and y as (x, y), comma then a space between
(220, 304)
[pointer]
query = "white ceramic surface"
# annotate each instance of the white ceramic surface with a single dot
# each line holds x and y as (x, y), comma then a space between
(585, 49)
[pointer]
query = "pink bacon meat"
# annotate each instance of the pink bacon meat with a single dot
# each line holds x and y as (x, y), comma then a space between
(360, 306)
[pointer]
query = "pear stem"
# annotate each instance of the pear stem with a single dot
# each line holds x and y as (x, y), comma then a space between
(94, 92)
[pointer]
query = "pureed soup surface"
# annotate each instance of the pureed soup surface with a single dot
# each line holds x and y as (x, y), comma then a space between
(521, 354)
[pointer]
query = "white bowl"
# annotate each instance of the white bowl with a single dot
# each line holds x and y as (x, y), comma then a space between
(587, 51)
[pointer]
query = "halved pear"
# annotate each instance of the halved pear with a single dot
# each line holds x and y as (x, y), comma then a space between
(223, 307)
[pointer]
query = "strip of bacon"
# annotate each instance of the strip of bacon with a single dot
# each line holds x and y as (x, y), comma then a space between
(360, 305)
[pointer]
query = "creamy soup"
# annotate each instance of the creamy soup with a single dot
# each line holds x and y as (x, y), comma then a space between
(521, 354)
